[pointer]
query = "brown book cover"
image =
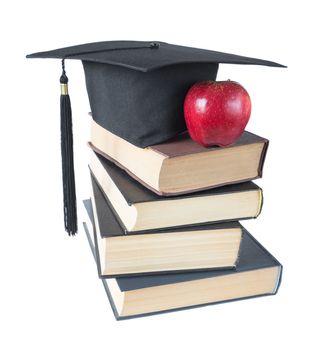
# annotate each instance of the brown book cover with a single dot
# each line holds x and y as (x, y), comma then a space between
(183, 145)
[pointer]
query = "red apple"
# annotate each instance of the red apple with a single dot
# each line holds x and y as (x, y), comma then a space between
(216, 112)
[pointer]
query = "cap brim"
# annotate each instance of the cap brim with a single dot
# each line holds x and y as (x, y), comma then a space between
(142, 56)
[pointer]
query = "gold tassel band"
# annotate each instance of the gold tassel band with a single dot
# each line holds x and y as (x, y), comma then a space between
(64, 89)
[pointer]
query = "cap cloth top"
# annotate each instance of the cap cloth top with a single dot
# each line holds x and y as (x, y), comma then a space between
(136, 89)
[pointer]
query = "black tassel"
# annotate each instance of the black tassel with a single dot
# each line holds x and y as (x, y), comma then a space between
(69, 198)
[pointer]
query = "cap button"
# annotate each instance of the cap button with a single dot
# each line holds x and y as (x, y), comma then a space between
(154, 45)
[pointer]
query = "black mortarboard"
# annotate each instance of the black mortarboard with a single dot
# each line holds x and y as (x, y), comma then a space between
(136, 90)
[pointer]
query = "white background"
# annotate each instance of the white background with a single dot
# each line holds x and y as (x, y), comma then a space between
(51, 297)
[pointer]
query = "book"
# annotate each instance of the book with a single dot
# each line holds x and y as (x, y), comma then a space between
(182, 165)
(139, 209)
(257, 274)
(211, 246)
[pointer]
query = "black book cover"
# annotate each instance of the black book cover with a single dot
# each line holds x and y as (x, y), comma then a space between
(113, 229)
(133, 192)
(110, 224)
(253, 256)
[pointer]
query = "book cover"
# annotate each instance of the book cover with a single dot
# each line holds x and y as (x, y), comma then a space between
(153, 171)
(110, 224)
(253, 257)
(159, 261)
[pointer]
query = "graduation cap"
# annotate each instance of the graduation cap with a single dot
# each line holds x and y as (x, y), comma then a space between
(136, 90)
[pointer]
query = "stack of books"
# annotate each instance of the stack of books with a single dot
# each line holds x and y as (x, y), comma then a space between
(162, 223)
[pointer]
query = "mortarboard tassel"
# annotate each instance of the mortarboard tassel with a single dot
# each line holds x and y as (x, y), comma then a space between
(69, 198)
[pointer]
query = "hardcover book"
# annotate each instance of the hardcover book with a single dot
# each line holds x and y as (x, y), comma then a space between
(257, 274)
(211, 246)
(182, 165)
(139, 209)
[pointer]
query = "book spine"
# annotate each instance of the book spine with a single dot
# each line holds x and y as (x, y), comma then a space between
(262, 158)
